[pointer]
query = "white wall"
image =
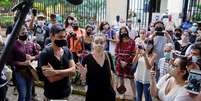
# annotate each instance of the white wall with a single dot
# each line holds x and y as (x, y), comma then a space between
(174, 7)
(114, 8)
(164, 4)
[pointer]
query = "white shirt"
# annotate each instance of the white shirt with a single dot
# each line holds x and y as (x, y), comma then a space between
(173, 93)
(142, 74)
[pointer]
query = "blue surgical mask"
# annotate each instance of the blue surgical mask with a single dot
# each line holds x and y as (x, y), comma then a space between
(193, 29)
(168, 55)
(195, 59)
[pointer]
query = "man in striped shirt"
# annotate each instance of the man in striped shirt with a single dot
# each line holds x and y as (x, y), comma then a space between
(165, 62)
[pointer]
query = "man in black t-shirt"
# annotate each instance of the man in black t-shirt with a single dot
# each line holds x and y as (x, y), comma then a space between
(57, 65)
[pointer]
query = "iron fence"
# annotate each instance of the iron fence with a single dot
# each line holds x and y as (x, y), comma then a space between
(194, 10)
(94, 10)
(138, 12)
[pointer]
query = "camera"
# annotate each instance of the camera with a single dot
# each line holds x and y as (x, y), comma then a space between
(159, 31)
(140, 47)
(34, 12)
(72, 34)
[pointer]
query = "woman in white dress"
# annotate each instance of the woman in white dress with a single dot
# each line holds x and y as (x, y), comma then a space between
(171, 85)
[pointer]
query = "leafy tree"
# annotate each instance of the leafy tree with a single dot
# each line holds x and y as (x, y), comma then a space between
(197, 14)
(5, 3)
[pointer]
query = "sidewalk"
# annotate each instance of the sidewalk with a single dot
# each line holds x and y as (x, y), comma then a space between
(81, 90)
(39, 91)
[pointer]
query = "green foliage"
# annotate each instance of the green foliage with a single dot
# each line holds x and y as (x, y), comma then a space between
(6, 20)
(89, 9)
(197, 14)
(39, 6)
(5, 3)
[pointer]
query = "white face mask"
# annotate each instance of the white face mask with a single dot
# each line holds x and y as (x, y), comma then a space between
(70, 21)
(41, 23)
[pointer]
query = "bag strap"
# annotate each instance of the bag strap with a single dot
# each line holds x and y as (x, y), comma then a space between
(110, 67)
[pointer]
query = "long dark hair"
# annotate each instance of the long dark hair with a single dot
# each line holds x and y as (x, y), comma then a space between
(66, 21)
(103, 23)
(183, 64)
(122, 36)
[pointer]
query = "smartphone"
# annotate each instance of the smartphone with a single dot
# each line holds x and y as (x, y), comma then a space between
(194, 82)
(117, 18)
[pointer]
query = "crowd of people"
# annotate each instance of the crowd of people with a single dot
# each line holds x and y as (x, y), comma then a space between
(157, 60)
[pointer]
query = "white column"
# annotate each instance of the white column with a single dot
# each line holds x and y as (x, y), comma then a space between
(174, 8)
(114, 8)
(163, 7)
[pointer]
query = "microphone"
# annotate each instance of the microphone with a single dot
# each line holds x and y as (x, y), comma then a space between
(75, 2)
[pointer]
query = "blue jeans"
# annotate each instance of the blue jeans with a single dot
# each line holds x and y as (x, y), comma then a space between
(24, 87)
(140, 88)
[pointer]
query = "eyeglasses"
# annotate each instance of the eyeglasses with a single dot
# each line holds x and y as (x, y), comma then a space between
(174, 66)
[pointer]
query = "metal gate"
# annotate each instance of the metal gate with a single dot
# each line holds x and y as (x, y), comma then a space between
(138, 12)
(194, 10)
(88, 10)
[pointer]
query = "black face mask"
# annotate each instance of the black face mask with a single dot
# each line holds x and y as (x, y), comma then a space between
(123, 35)
(75, 27)
(23, 38)
(88, 33)
(60, 43)
(159, 29)
(177, 34)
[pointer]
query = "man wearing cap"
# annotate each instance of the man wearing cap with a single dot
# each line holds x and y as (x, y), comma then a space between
(193, 33)
(40, 30)
(56, 65)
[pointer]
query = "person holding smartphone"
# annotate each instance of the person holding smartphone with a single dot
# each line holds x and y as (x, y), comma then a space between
(194, 64)
(145, 57)
(172, 85)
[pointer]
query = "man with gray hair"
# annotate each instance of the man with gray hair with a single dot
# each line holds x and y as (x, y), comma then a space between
(165, 62)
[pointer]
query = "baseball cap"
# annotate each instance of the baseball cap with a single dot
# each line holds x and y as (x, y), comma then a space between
(41, 15)
(56, 29)
(195, 24)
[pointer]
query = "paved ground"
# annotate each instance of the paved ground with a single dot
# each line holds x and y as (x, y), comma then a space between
(77, 91)
(12, 97)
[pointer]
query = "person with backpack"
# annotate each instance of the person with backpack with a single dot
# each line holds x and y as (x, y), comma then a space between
(40, 30)
(56, 66)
